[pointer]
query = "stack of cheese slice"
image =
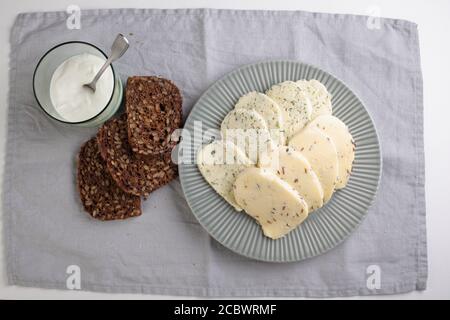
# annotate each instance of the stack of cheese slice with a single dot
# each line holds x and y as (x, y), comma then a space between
(282, 155)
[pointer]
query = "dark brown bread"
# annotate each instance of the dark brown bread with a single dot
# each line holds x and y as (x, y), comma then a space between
(153, 106)
(100, 195)
(134, 173)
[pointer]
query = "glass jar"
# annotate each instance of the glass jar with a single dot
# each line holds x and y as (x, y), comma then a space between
(47, 66)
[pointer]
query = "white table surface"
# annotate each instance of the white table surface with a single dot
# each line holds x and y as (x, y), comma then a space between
(433, 18)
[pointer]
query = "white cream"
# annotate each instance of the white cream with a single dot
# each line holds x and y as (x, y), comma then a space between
(72, 101)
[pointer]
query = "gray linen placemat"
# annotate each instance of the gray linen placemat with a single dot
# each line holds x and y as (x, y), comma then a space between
(165, 251)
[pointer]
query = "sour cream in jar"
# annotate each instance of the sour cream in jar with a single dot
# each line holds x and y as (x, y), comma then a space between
(73, 101)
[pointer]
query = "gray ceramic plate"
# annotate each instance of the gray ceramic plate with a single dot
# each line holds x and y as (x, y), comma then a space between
(325, 228)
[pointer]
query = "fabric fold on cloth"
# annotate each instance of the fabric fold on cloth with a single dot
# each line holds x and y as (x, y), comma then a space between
(166, 251)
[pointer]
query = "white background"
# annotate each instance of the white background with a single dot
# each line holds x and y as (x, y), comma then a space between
(433, 18)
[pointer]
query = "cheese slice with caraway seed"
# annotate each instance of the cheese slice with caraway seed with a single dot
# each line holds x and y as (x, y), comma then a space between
(275, 205)
(291, 166)
(321, 153)
(343, 140)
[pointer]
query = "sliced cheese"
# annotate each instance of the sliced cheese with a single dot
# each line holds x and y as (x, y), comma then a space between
(318, 95)
(248, 130)
(343, 140)
(321, 153)
(268, 109)
(295, 106)
(276, 206)
(220, 162)
(291, 166)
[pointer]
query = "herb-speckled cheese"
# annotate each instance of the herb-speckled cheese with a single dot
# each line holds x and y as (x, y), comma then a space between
(343, 140)
(220, 162)
(248, 130)
(321, 153)
(295, 106)
(268, 109)
(291, 166)
(318, 95)
(276, 206)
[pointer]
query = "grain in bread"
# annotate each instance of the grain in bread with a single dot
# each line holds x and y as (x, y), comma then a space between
(153, 106)
(100, 195)
(134, 173)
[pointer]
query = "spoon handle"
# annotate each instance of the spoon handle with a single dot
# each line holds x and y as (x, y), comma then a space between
(118, 48)
(102, 69)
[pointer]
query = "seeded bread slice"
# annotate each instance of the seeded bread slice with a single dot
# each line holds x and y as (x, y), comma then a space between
(134, 173)
(100, 195)
(154, 112)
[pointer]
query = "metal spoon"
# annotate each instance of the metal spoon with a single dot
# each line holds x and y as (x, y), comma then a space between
(118, 48)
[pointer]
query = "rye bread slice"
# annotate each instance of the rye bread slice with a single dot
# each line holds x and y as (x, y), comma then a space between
(134, 173)
(101, 196)
(153, 106)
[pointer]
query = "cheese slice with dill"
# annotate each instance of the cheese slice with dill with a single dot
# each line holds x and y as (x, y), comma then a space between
(318, 95)
(268, 109)
(220, 162)
(248, 130)
(295, 106)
